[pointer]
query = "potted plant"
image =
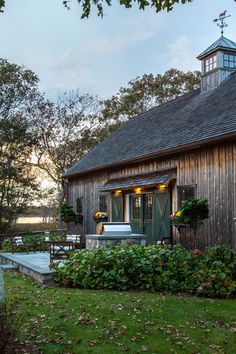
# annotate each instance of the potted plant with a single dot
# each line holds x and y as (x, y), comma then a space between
(100, 216)
(191, 213)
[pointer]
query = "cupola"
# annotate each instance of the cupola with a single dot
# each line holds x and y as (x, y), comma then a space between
(218, 60)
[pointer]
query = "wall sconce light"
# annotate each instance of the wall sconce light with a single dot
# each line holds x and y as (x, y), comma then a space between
(162, 187)
(118, 192)
(137, 190)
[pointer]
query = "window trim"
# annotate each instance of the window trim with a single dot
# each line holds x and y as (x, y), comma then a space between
(229, 61)
(103, 195)
(210, 63)
(192, 186)
(80, 210)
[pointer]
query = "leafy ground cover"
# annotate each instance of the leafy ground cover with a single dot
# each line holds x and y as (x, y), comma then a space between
(170, 268)
(65, 320)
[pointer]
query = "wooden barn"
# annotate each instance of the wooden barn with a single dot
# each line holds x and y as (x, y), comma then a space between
(186, 147)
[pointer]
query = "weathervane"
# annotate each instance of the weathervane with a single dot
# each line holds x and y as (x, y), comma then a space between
(221, 21)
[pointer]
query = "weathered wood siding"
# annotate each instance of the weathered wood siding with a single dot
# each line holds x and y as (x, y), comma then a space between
(211, 169)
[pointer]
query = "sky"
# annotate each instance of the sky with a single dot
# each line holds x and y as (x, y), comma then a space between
(99, 55)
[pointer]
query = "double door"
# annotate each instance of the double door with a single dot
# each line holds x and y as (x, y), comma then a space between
(150, 214)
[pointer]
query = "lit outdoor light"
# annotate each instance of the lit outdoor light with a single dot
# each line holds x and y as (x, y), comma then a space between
(162, 187)
(138, 190)
(118, 192)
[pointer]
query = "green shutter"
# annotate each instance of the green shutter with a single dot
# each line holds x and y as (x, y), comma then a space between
(117, 208)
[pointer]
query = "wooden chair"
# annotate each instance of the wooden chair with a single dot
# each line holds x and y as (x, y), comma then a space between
(75, 239)
(59, 250)
(19, 244)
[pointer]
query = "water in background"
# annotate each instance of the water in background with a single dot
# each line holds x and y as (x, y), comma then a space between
(32, 220)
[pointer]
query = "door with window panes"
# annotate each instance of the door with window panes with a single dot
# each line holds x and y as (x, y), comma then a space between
(141, 214)
(150, 215)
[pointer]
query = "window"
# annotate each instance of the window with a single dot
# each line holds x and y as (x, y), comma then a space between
(103, 203)
(229, 61)
(185, 192)
(136, 208)
(210, 63)
(148, 206)
(79, 205)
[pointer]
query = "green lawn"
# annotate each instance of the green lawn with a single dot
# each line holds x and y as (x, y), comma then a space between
(63, 320)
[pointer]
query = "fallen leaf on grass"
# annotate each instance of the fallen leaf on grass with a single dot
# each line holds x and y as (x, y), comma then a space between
(119, 344)
(120, 307)
(85, 319)
(134, 339)
(93, 342)
(149, 322)
(214, 346)
(112, 323)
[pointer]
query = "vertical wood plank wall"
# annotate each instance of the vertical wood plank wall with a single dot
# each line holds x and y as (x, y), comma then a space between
(212, 169)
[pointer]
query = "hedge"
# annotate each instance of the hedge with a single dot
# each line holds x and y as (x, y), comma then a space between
(209, 273)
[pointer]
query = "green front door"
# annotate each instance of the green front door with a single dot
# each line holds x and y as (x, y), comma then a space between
(150, 215)
(141, 214)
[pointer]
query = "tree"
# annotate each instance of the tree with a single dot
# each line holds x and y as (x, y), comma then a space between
(66, 133)
(68, 215)
(18, 183)
(158, 5)
(18, 89)
(2, 5)
(148, 91)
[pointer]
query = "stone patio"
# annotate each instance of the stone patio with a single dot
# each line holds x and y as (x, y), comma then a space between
(35, 265)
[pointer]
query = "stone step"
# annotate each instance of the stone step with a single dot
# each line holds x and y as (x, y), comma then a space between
(9, 268)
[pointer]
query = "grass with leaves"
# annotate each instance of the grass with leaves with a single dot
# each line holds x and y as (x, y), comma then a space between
(62, 320)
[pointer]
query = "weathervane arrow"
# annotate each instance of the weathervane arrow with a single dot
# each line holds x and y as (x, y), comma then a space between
(221, 21)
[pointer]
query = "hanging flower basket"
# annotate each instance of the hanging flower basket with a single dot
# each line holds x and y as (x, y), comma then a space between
(192, 213)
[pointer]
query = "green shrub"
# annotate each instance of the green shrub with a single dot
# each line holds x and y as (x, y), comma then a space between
(6, 244)
(218, 272)
(32, 239)
(211, 273)
(54, 236)
(9, 325)
(35, 240)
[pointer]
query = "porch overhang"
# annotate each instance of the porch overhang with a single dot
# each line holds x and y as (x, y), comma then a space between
(148, 180)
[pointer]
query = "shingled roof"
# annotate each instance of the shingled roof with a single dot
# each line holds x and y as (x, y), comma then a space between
(192, 118)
